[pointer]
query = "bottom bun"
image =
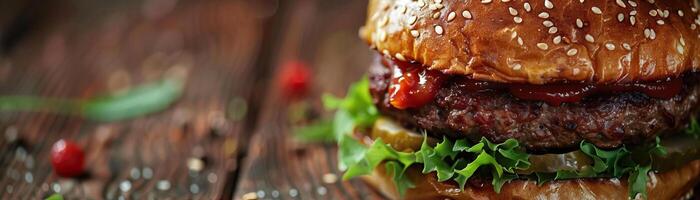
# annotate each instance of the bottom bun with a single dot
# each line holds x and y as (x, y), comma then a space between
(675, 184)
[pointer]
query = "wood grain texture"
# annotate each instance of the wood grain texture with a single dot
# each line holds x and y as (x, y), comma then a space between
(89, 51)
(231, 109)
(324, 34)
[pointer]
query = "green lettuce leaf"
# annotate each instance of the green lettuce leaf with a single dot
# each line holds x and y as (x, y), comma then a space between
(318, 132)
(400, 179)
(638, 181)
(357, 103)
(434, 159)
(483, 159)
(351, 157)
(693, 127)
(55, 197)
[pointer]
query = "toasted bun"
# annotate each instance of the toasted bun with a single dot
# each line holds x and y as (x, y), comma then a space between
(539, 42)
(675, 184)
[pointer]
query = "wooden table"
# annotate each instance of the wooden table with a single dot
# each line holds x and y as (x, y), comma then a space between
(228, 137)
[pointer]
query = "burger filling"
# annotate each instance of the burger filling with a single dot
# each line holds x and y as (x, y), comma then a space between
(463, 130)
(543, 118)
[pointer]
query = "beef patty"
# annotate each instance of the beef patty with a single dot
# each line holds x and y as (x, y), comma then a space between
(608, 121)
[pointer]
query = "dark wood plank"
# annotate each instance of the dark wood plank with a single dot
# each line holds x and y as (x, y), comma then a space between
(324, 33)
(90, 51)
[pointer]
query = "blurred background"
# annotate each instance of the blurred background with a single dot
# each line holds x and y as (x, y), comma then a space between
(247, 71)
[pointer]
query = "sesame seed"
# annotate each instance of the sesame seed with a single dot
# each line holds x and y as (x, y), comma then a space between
(557, 39)
(527, 6)
(402, 9)
(653, 13)
(651, 1)
(412, 20)
(400, 57)
(505, 1)
(513, 35)
(436, 15)
(553, 30)
(632, 3)
(626, 46)
(518, 20)
(647, 32)
(666, 13)
(438, 1)
(581, 1)
(542, 46)
(384, 21)
(693, 26)
(634, 12)
(485, 1)
(433, 7)
(620, 17)
(421, 4)
(572, 52)
(382, 36)
(415, 33)
(680, 49)
(660, 22)
(633, 20)
(610, 46)
(439, 30)
(652, 35)
(548, 23)
(576, 71)
(680, 13)
(520, 41)
(596, 10)
(589, 38)
(579, 23)
(694, 9)
(620, 3)
(512, 11)
(548, 4)
(385, 52)
(466, 14)
(543, 15)
(682, 41)
(517, 66)
(451, 16)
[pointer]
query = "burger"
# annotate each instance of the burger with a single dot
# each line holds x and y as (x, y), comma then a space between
(506, 99)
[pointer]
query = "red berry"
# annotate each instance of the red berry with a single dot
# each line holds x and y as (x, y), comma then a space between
(294, 79)
(67, 159)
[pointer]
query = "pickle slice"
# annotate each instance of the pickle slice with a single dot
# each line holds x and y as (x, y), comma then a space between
(551, 163)
(680, 151)
(396, 136)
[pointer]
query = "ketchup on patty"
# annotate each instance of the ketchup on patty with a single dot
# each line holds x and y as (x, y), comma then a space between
(413, 86)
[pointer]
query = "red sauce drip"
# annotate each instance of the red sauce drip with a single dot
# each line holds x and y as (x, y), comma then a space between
(412, 86)
(663, 90)
(571, 93)
(552, 94)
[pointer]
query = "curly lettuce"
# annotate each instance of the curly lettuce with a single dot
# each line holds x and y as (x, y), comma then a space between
(460, 160)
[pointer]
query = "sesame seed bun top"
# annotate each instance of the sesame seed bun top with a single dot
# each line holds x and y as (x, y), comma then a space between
(540, 41)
